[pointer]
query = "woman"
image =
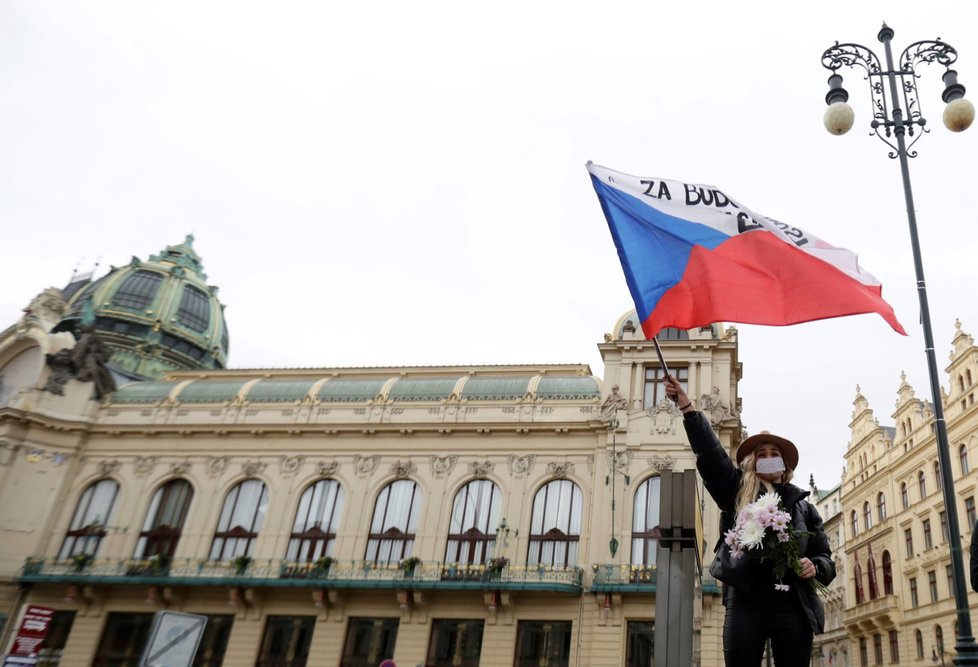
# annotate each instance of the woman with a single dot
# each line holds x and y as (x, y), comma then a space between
(756, 610)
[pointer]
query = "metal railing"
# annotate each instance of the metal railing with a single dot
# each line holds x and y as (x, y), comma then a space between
(283, 573)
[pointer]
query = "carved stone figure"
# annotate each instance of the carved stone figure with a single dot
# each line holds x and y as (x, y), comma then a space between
(62, 370)
(48, 307)
(217, 465)
(612, 404)
(714, 408)
(402, 470)
(519, 465)
(252, 467)
(327, 468)
(620, 460)
(662, 463)
(560, 469)
(441, 465)
(664, 415)
(145, 464)
(108, 467)
(180, 468)
(481, 470)
(289, 465)
(366, 464)
(90, 355)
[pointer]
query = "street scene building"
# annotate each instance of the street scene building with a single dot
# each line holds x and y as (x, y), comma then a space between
(832, 646)
(443, 515)
(899, 605)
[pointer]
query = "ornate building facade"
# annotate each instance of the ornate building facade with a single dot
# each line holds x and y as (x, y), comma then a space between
(899, 598)
(832, 647)
(470, 515)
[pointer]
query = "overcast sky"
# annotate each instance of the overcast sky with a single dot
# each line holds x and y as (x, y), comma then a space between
(393, 183)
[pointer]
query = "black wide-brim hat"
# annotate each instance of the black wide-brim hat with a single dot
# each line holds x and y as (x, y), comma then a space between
(788, 450)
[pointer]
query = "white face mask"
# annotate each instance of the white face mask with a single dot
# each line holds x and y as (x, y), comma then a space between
(769, 466)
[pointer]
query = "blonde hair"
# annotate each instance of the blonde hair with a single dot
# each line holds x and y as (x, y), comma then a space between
(750, 483)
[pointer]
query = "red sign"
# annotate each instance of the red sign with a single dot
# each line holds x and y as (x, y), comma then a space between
(33, 630)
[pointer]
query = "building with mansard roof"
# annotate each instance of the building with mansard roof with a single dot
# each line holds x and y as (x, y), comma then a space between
(899, 604)
(462, 515)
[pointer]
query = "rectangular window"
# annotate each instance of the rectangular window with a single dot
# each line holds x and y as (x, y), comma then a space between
(928, 540)
(369, 641)
(286, 641)
(878, 648)
(543, 643)
(214, 641)
(455, 643)
(945, 535)
(641, 644)
(123, 640)
(653, 384)
(950, 580)
(932, 584)
(49, 653)
(969, 511)
(908, 539)
(914, 600)
(894, 647)
(863, 654)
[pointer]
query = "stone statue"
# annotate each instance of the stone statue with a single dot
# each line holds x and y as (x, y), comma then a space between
(612, 405)
(90, 357)
(48, 306)
(714, 408)
(62, 370)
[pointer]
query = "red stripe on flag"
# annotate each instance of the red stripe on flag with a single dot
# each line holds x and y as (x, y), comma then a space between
(756, 278)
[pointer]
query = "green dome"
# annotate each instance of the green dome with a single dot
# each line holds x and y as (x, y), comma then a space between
(157, 316)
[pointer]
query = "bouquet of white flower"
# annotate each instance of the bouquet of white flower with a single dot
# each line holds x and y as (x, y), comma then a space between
(766, 527)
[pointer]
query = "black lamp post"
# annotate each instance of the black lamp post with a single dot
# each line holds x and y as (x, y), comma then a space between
(892, 91)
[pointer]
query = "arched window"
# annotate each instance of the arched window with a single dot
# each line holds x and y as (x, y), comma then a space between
(871, 571)
(164, 520)
(967, 377)
(138, 290)
(939, 638)
(963, 457)
(961, 383)
(855, 523)
(939, 483)
(92, 513)
(904, 496)
(857, 576)
(475, 515)
(241, 518)
(316, 520)
(867, 516)
(919, 640)
(555, 526)
(887, 574)
(881, 507)
(395, 519)
(645, 522)
(922, 484)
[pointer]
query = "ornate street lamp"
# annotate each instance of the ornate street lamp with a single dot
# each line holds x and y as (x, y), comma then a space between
(893, 90)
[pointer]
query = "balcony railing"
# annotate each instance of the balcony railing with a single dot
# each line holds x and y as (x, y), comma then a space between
(611, 577)
(286, 574)
(625, 578)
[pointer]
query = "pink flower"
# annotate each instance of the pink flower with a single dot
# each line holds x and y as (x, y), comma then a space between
(784, 537)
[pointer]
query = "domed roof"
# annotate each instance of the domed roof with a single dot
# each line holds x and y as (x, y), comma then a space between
(157, 315)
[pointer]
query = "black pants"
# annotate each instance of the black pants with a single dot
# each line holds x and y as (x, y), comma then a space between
(753, 618)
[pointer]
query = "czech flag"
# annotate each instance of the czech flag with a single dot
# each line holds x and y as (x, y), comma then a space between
(694, 256)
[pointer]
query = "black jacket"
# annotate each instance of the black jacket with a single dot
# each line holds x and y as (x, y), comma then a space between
(722, 480)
